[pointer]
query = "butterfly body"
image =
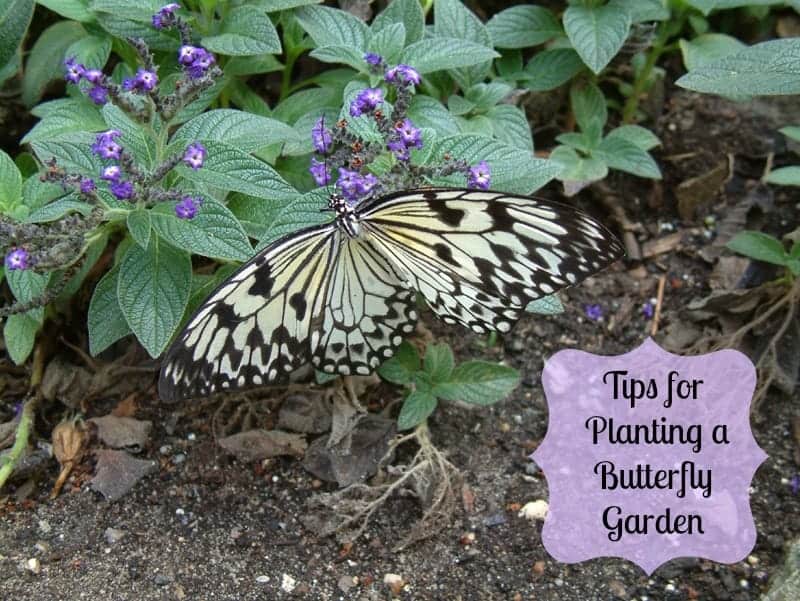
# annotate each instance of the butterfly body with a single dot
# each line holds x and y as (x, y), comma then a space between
(340, 297)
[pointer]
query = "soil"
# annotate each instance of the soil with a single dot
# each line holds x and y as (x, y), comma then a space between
(207, 526)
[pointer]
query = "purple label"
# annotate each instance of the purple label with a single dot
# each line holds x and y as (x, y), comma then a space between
(649, 456)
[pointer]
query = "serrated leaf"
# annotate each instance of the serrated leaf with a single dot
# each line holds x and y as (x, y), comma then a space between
(77, 10)
(646, 10)
(27, 285)
(134, 139)
(589, 106)
(332, 27)
(487, 95)
(340, 54)
(416, 409)
(75, 115)
(428, 112)
(388, 42)
(400, 369)
(759, 246)
(458, 105)
(707, 48)
(91, 51)
(511, 126)
(214, 232)
(550, 69)
(439, 362)
(479, 125)
(10, 181)
(478, 382)
(452, 19)
(407, 12)
(153, 290)
(784, 176)
(626, 156)
(513, 170)
(766, 69)
(523, 26)
(575, 168)
(105, 319)
(546, 305)
(637, 135)
(272, 6)
(132, 20)
(139, 226)
(245, 31)
(15, 16)
(440, 53)
(46, 59)
(238, 129)
(19, 335)
(57, 209)
(228, 168)
(303, 211)
(707, 6)
(72, 151)
(597, 33)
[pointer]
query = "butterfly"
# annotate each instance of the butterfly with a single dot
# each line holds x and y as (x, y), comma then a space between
(340, 297)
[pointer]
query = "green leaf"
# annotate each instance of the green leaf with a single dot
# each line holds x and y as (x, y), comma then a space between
(228, 168)
(478, 382)
(759, 246)
(91, 51)
(523, 26)
(769, 68)
(513, 170)
(452, 19)
(439, 362)
(302, 212)
(203, 285)
(706, 6)
(440, 53)
(340, 54)
(589, 107)
(15, 16)
(791, 131)
(646, 10)
(429, 112)
(597, 33)
(19, 334)
(252, 65)
(550, 69)
(245, 31)
(626, 156)
(10, 181)
(139, 226)
(400, 369)
(72, 151)
(637, 135)
(27, 285)
(46, 59)
(56, 210)
(511, 126)
(416, 409)
(388, 42)
(784, 176)
(487, 95)
(131, 20)
(77, 10)
(457, 105)
(407, 12)
(214, 232)
(332, 27)
(238, 129)
(134, 139)
(272, 6)
(707, 48)
(90, 257)
(546, 305)
(77, 114)
(153, 289)
(105, 319)
(575, 168)
(363, 126)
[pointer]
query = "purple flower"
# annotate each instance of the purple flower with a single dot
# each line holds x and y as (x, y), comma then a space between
(201, 63)
(93, 76)
(321, 137)
(98, 94)
(367, 184)
(373, 59)
(399, 149)
(18, 258)
(186, 55)
(195, 155)
(366, 101)
(145, 81)
(794, 482)
(122, 190)
(480, 176)
(648, 309)
(408, 134)
(75, 71)
(188, 207)
(164, 17)
(594, 312)
(319, 171)
(111, 174)
(105, 145)
(349, 183)
(87, 185)
(402, 74)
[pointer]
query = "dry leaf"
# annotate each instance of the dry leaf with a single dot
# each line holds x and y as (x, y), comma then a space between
(255, 445)
(122, 432)
(69, 439)
(118, 472)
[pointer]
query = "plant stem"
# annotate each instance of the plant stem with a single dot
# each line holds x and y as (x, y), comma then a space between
(20, 439)
(286, 79)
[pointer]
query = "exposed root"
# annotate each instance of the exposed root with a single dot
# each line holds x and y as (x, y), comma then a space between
(429, 477)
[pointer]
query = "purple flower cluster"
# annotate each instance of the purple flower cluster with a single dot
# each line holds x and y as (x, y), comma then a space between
(405, 136)
(145, 81)
(165, 17)
(75, 72)
(403, 75)
(196, 61)
(321, 137)
(195, 155)
(355, 186)
(17, 258)
(320, 172)
(366, 101)
(188, 207)
(105, 145)
(594, 312)
(480, 176)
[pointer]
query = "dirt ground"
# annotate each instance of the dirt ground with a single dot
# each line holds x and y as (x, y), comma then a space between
(206, 526)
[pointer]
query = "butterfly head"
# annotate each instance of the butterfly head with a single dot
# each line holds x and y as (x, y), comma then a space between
(346, 215)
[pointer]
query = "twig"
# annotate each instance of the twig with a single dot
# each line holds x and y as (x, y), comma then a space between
(659, 300)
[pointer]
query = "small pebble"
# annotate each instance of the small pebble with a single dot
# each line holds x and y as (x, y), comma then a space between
(262, 579)
(345, 583)
(33, 565)
(191, 436)
(558, 582)
(532, 469)
(752, 560)
(394, 582)
(495, 520)
(744, 583)
(288, 583)
(670, 588)
(535, 510)
(45, 527)
(179, 458)
(165, 449)
(113, 535)
(161, 580)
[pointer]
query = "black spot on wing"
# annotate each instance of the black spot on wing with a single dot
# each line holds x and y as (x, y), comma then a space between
(299, 304)
(449, 215)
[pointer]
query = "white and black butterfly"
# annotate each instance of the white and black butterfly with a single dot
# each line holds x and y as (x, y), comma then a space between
(340, 297)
